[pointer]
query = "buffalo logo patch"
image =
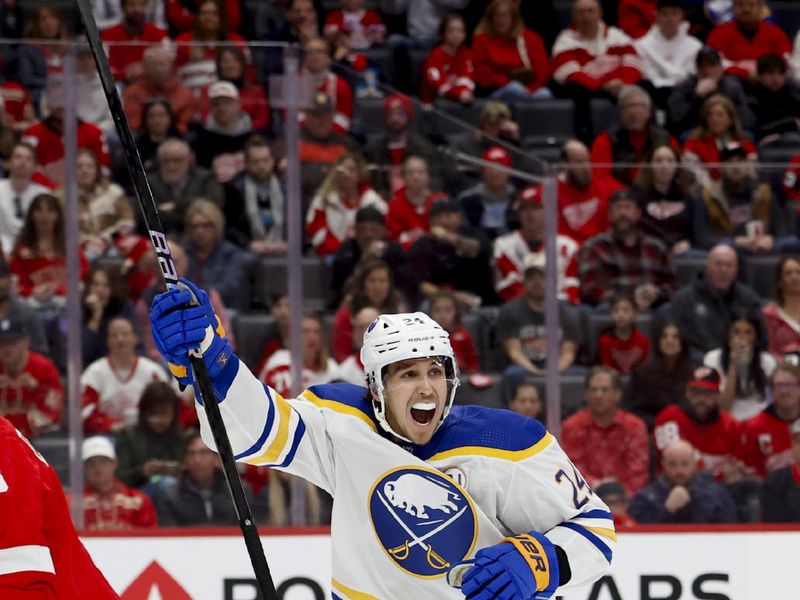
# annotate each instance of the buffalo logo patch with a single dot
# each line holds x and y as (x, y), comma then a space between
(424, 520)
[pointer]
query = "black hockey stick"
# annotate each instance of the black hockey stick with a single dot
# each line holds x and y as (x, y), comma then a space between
(202, 380)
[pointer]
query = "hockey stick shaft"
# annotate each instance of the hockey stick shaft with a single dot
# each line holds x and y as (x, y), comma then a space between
(203, 386)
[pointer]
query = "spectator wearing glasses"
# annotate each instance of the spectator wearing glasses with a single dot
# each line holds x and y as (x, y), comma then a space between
(17, 191)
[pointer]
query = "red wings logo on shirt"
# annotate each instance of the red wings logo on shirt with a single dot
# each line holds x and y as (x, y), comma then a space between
(579, 214)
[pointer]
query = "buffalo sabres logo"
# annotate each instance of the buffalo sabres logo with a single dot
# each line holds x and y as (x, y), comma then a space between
(425, 521)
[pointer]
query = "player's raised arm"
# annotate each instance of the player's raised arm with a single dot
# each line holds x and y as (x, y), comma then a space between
(264, 428)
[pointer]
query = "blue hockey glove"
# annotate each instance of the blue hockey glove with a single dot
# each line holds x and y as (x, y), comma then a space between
(183, 321)
(523, 567)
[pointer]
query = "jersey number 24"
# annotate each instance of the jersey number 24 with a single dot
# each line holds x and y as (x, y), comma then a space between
(580, 489)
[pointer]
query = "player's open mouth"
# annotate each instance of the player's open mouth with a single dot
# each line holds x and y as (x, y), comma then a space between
(422, 412)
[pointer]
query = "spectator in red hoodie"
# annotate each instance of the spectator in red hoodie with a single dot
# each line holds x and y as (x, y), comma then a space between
(363, 28)
(445, 311)
(124, 41)
(408, 211)
(635, 17)
(747, 38)
(622, 346)
(449, 70)
(510, 60)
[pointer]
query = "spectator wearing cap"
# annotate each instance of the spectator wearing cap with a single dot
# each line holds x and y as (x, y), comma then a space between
(13, 308)
(704, 308)
(17, 191)
(592, 59)
(158, 81)
(369, 241)
(317, 69)
(667, 50)
(687, 97)
(624, 260)
(739, 209)
(682, 494)
(776, 99)
(782, 315)
(387, 151)
(513, 248)
(618, 152)
(521, 326)
(490, 203)
(320, 146)
(177, 181)
(698, 419)
(220, 141)
(127, 41)
(718, 128)
(31, 396)
(255, 207)
(745, 365)
(407, 218)
(451, 255)
(747, 38)
(780, 494)
(331, 217)
(510, 60)
(108, 504)
(766, 437)
(605, 442)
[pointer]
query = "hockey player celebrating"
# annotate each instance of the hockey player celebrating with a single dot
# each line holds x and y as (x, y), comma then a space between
(431, 500)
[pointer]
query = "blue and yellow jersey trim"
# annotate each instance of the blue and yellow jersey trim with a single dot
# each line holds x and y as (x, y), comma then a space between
(280, 436)
(348, 593)
(346, 399)
(597, 527)
(472, 431)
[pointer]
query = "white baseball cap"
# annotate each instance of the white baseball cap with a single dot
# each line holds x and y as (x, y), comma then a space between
(223, 89)
(98, 446)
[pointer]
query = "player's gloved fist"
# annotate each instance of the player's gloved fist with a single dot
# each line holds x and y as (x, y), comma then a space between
(183, 321)
(524, 567)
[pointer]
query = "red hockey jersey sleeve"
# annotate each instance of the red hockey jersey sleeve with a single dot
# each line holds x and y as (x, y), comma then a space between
(41, 556)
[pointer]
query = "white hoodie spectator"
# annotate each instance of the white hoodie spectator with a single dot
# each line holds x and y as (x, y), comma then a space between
(668, 52)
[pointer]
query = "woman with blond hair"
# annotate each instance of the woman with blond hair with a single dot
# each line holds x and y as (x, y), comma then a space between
(510, 60)
(212, 260)
(719, 126)
(331, 217)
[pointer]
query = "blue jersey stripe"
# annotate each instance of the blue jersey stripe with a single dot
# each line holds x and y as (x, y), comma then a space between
(591, 537)
(597, 513)
(224, 379)
(264, 434)
(298, 435)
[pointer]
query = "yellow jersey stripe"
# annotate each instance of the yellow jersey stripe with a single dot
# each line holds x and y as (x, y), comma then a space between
(338, 407)
(274, 450)
(512, 455)
(609, 533)
(351, 593)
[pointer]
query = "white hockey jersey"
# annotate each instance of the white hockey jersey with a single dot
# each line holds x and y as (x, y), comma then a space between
(403, 515)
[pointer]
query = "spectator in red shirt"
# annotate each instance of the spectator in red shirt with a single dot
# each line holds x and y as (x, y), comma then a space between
(699, 420)
(108, 504)
(747, 38)
(124, 42)
(407, 219)
(782, 315)
(351, 369)
(765, 436)
(197, 49)
(622, 346)
(618, 152)
(158, 81)
(317, 70)
(613, 495)
(31, 396)
(363, 27)
(182, 14)
(445, 311)
(39, 257)
(719, 126)
(636, 16)
(449, 69)
(605, 442)
(510, 60)
(526, 400)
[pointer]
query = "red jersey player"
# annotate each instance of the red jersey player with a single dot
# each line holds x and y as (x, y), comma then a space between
(41, 557)
(767, 441)
(714, 433)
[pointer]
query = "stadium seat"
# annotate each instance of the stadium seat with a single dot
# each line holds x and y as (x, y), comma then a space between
(687, 268)
(491, 396)
(252, 332)
(493, 357)
(787, 15)
(604, 115)
(55, 450)
(545, 123)
(472, 323)
(571, 394)
(759, 273)
(593, 325)
(418, 58)
(270, 278)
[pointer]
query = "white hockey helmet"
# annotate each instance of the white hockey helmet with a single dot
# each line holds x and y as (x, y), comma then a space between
(393, 338)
